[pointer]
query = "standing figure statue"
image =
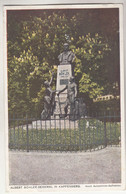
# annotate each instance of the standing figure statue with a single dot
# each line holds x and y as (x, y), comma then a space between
(66, 57)
(49, 100)
(71, 96)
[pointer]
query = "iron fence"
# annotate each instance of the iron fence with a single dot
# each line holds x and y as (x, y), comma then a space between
(62, 134)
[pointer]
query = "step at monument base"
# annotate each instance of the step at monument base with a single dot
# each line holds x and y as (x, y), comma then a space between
(55, 124)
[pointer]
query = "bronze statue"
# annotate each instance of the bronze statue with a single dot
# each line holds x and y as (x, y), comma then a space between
(71, 96)
(67, 57)
(49, 100)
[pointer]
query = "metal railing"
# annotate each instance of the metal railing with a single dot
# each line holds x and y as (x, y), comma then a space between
(86, 134)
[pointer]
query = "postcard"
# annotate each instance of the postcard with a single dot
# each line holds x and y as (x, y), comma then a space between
(64, 97)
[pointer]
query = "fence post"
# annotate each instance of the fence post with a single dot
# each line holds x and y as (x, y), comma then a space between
(27, 133)
(105, 132)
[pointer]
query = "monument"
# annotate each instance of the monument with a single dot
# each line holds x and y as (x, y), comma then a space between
(65, 68)
(65, 102)
(64, 72)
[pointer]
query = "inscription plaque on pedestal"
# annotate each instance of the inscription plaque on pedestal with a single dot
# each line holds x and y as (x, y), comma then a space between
(63, 75)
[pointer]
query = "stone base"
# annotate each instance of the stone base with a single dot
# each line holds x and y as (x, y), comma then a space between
(55, 124)
(60, 104)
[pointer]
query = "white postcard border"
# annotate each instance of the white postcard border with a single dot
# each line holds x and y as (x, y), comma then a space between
(122, 70)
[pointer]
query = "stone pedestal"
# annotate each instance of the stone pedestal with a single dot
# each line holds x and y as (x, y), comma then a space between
(64, 73)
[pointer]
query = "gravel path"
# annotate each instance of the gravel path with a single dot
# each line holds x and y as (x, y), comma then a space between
(103, 166)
